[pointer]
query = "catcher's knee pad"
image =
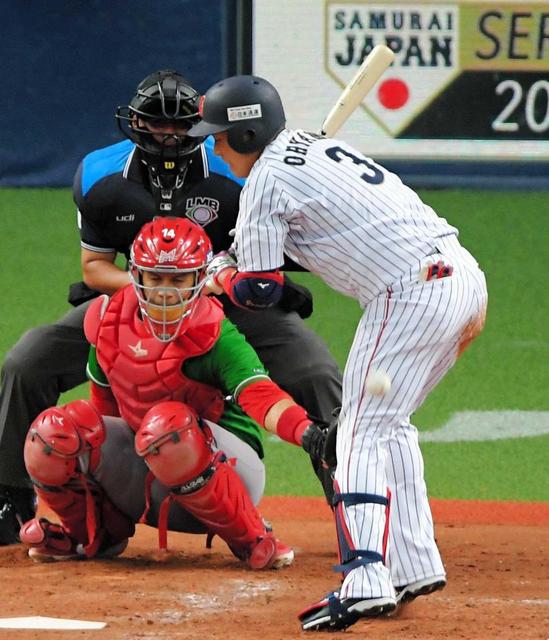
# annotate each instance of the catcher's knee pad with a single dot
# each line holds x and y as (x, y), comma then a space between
(349, 556)
(173, 444)
(61, 440)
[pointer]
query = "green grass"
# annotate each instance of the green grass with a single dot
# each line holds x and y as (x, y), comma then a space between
(506, 368)
(503, 470)
(40, 249)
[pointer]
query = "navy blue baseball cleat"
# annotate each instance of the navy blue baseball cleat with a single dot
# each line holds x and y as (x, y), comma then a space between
(334, 614)
(423, 587)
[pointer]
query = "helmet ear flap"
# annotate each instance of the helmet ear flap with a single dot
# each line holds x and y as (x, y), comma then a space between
(243, 138)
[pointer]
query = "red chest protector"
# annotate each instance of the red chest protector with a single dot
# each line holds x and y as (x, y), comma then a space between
(141, 370)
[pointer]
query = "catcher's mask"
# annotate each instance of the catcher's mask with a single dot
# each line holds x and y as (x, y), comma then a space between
(164, 107)
(173, 250)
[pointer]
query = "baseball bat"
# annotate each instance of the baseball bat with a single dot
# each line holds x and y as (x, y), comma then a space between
(369, 72)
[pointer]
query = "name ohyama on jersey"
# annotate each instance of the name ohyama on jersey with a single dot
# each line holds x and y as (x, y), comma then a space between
(299, 144)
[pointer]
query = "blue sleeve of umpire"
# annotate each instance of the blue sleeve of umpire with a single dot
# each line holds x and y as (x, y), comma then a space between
(257, 290)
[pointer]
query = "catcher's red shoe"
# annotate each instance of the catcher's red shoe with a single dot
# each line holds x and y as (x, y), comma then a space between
(267, 553)
(49, 542)
(284, 555)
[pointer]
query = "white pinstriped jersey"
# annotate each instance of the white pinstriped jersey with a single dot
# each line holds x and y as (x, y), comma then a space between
(335, 212)
(352, 222)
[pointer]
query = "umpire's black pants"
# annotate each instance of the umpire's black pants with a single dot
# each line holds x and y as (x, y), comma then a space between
(51, 359)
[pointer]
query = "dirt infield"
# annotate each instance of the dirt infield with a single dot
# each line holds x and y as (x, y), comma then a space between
(496, 556)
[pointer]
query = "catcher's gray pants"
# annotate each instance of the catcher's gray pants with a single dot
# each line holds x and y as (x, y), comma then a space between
(122, 473)
(51, 359)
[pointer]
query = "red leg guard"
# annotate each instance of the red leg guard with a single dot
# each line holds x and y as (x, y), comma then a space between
(62, 447)
(87, 519)
(69, 506)
(224, 506)
(178, 453)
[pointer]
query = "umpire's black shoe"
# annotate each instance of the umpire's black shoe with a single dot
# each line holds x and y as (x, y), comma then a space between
(420, 588)
(333, 614)
(16, 507)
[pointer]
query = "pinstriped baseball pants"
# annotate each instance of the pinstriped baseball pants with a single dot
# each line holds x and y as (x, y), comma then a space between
(413, 332)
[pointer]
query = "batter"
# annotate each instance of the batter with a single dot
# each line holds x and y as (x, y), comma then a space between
(346, 218)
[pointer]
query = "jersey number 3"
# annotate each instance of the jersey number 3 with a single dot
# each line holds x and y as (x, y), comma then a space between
(375, 176)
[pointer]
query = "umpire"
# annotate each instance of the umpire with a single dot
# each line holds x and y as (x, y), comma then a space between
(158, 170)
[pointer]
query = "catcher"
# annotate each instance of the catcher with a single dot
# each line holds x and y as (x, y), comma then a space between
(170, 436)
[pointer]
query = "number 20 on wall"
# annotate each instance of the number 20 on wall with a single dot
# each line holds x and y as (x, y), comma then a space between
(506, 121)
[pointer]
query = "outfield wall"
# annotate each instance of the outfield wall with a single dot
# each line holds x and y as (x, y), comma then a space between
(69, 63)
(466, 102)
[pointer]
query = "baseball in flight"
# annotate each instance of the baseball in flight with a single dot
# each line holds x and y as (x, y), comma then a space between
(378, 382)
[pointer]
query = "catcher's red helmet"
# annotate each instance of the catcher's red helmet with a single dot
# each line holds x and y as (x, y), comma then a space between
(169, 246)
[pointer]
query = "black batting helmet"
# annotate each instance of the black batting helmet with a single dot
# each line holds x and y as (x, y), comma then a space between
(247, 107)
(162, 97)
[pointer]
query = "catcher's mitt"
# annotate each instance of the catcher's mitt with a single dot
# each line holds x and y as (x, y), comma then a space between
(320, 443)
